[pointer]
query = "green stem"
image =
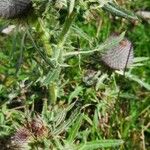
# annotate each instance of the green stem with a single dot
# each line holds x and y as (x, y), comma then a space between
(59, 55)
(65, 30)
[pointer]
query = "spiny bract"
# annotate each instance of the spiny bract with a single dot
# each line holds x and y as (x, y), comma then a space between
(118, 56)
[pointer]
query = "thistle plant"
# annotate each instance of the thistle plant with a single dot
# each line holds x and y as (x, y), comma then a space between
(44, 63)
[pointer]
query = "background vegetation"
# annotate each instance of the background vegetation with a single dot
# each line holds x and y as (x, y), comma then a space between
(54, 91)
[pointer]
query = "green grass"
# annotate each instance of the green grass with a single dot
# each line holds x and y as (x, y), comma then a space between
(42, 87)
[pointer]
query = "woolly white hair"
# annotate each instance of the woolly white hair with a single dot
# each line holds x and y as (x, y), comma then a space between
(14, 8)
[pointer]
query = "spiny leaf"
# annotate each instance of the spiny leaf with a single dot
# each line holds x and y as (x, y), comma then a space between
(74, 129)
(81, 33)
(117, 10)
(100, 144)
(100, 48)
(52, 76)
(75, 93)
(71, 6)
(136, 79)
(67, 123)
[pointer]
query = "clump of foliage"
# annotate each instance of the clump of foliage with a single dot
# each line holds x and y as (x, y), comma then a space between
(55, 93)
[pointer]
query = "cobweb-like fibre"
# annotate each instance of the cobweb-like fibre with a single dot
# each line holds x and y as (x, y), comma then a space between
(14, 8)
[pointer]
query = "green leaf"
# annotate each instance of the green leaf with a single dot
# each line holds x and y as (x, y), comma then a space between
(140, 59)
(100, 144)
(2, 56)
(52, 76)
(64, 33)
(60, 117)
(117, 10)
(135, 78)
(67, 123)
(75, 93)
(81, 33)
(74, 129)
(71, 6)
(105, 45)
